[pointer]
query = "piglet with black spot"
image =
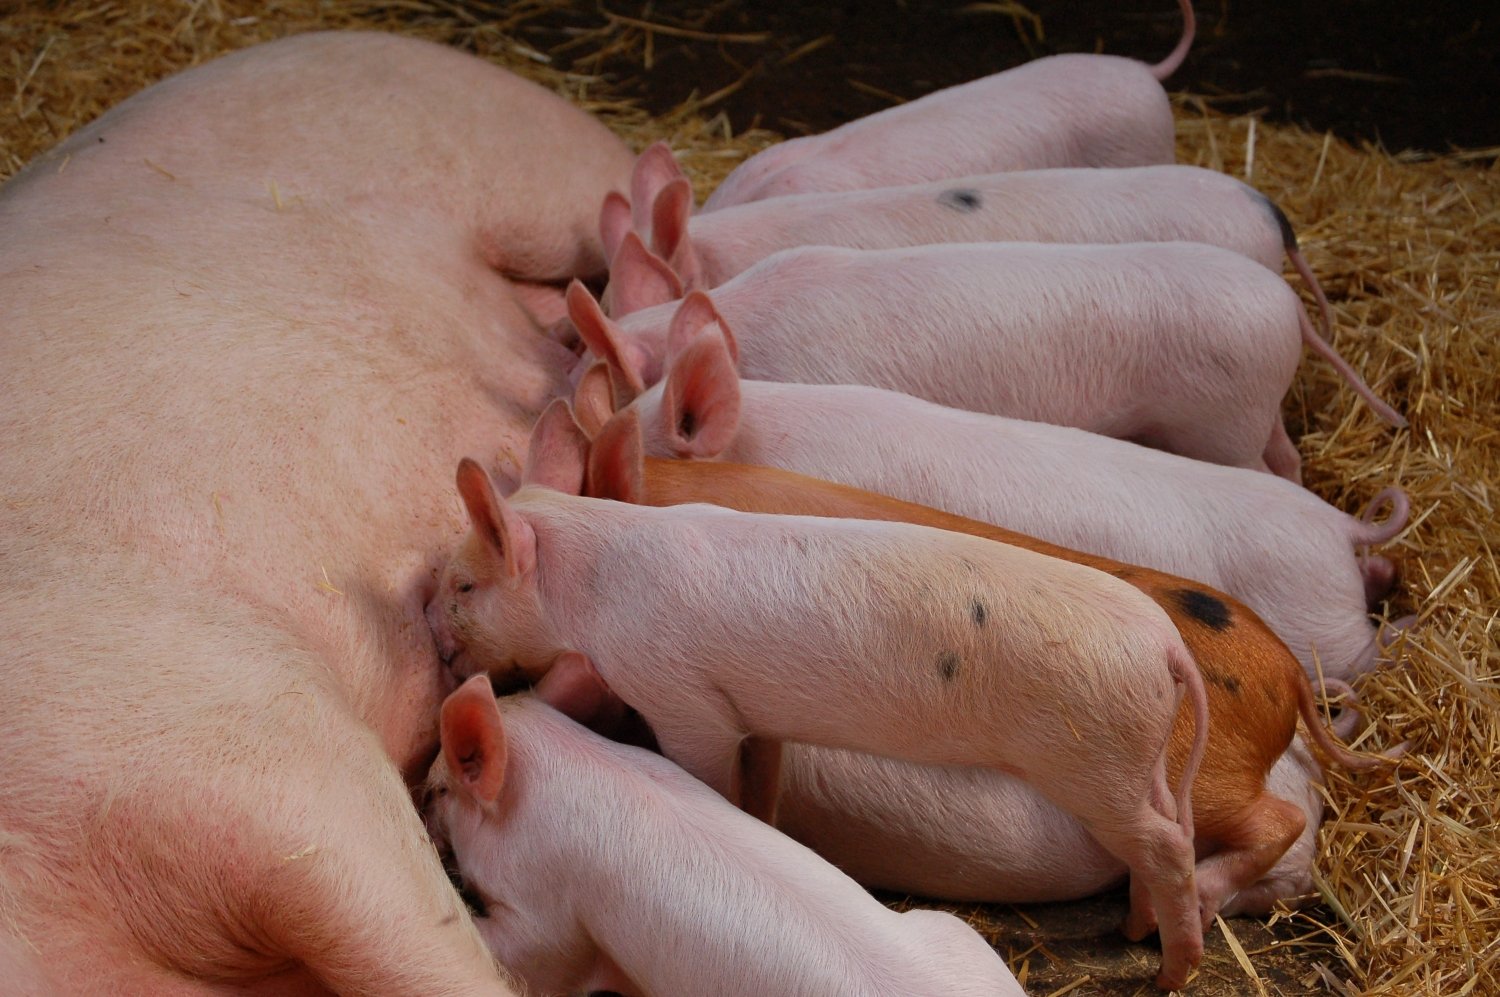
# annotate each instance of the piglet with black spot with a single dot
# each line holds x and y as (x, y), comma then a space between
(719, 625)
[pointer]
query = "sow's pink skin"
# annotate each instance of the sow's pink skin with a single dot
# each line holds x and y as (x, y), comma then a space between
(718, 625)
(606, 867)
(252, 317)
(1064, 110)
(1269, 543)
(1142, 204)
(1185, 347)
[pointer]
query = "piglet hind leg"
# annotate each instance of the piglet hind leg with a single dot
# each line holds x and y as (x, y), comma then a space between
(1250, 847)
(1281, 455)
(1163, 888)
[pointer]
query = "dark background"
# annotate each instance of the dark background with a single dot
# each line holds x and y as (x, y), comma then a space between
(1407, 74)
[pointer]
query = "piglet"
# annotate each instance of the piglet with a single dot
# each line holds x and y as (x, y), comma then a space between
(1181, 346)
(1278, 548)
(1257, 690)
(605, 867)
(999, 840)
(1141, 204)
(888, 638)
(1064, 110)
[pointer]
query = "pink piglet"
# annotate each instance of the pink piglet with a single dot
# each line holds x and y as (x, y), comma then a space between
(1180, 346)
(718, 626)
(605, 867)
(1064, 110)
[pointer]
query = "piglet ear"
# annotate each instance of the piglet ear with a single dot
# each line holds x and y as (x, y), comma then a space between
(655, 168)
(614, 223)
(638, 279)
(501, 527)
(695, 316)
(700, 406)
(615, 461)
(594, 399)
(474, 740)
(558, 451)
(670, 238)
(606, 340)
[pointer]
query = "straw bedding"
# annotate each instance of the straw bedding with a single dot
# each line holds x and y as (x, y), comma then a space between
(1408, 250)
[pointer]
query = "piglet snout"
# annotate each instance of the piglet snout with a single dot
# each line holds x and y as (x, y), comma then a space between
(442, 637)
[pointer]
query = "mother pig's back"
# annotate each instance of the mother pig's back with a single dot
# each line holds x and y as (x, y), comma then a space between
(248, 323)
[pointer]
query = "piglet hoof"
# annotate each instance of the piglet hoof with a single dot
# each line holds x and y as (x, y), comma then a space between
(1177, 967)
(1397, 753)
(1174, 980)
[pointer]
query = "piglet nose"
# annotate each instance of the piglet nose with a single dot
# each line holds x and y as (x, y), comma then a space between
(436, 623)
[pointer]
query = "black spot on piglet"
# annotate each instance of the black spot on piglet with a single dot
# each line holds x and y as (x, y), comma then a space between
(1228, 683)
(978, 613)
(947, 665)
(1206, 609)
(961, 199)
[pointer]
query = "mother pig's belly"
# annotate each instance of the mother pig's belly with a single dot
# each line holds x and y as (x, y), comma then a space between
(278, 419)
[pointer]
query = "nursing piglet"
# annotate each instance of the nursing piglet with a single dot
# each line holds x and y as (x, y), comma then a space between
(1064, 110)
(1278, 548)
(606, 867)
(1143, 204)
(1181, 346)
(881, 637)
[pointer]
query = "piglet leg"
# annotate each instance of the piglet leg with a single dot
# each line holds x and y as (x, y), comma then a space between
(1281, 456)
(1250, 847)
(1163, 890)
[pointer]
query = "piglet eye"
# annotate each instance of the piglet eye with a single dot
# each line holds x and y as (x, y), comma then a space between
(465, 586)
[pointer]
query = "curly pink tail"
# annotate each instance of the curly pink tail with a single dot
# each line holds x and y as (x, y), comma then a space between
(1169, 65)
(1371, 532)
